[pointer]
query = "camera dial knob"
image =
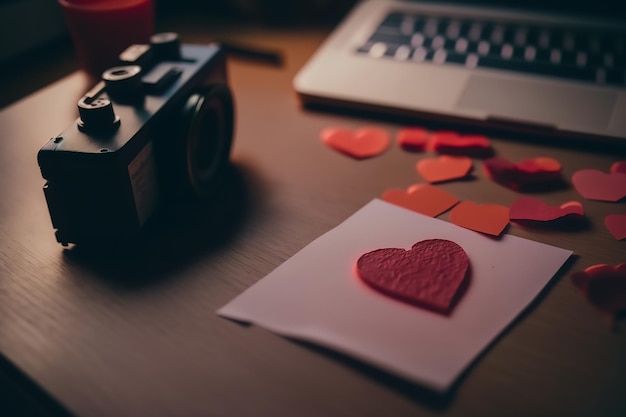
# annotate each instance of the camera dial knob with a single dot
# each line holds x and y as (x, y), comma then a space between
(123, 83)
(97, 115)
(165, 46)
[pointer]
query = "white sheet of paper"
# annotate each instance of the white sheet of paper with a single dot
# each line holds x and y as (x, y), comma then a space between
(316, 295)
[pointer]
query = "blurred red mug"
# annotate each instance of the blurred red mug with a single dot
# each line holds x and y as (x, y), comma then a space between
(101, 29)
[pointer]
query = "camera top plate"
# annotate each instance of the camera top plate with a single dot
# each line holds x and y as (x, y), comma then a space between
(136, 114)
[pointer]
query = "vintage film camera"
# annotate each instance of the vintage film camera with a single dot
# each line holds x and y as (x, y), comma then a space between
(157, 130)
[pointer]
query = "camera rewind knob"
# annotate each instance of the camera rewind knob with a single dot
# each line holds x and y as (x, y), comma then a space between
(165, 46)
(97, 115)
(123, 83)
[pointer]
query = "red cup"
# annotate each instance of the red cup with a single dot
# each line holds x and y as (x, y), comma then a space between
(101, 29)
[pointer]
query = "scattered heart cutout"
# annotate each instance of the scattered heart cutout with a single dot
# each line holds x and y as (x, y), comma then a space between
(597, 185)
(421, 198)
(432, 274)
(530, 208)
(604, 286)
(528, 173)
(413, 139)
(452, 143)
(444, 168)
(364, 143)
(616, 224)
(491, 219)
(618, 167)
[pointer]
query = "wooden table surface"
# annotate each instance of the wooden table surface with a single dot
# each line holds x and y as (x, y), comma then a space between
(138, 335)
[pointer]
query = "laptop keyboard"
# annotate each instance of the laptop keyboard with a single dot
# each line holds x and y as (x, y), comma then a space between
(563, 52)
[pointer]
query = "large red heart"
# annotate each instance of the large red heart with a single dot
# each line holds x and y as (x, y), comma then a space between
(596, 185)
(616, 224)
(486, 218)
(444, 168)
(431, 274)
(530, 208)
(422, 198)
(363, 143)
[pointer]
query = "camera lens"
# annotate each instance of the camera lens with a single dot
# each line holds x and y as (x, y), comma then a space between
(209, 120)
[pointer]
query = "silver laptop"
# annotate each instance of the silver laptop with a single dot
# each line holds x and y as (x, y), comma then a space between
(516, 69)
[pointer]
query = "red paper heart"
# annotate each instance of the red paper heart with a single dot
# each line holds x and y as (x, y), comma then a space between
(430, 274)
(413, 139)
(491, 219)
(528, 173)
(540, 165)
(529, 208)
(604, 286)
(453, 143)
(444, 168)
(596, 185)
(618, 167)
(616, 224)
(422, 198)
(363, 143)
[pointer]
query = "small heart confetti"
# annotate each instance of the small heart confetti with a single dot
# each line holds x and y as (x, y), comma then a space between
(528, 173)
(431, 274)
(604, 286)
(597, 185)
(364, 143)
(444, 168)
(618, 167)
(452, 143)
(491, 219)
(421, 198)
(413, 139)
(529, 208)
(616, 224)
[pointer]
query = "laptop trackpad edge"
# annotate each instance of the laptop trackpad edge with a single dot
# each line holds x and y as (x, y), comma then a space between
(561, 106)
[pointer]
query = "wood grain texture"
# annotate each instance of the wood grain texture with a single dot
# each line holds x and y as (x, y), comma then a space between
(138, 335)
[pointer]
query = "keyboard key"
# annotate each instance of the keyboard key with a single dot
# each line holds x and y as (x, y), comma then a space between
(460, 46)
(476, 32)
(555, 56)
(419, 54)
(402, 53)
(507, 51)
(453, 31)
(378, 50)
(407, 27)
(483, 48)
(438, 42)
(417, 40)
(439, 57)
(520, 36)
(471, 61)
(530, 53)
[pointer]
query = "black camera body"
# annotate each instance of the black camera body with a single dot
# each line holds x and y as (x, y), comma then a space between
(157, 130)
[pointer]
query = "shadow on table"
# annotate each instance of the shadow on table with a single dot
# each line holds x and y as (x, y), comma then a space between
(175, 240)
